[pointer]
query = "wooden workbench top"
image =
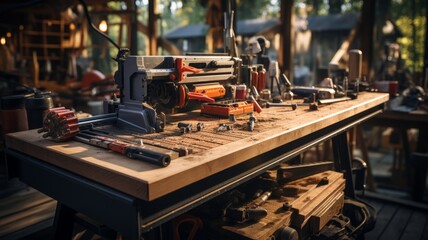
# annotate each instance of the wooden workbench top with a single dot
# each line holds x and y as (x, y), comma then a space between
(211, 151)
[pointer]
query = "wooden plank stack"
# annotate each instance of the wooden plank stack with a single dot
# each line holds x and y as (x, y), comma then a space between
(312, 201)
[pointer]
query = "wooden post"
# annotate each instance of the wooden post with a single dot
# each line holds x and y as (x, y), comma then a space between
(153, 48)
(36, 69)
(215, 20)
(285, 58)
(367, 24)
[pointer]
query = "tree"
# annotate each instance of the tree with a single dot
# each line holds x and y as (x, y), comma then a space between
(249, 9)
(410, 19)
(177, 13)
(335, 6)
(351, 6)
(408, 15)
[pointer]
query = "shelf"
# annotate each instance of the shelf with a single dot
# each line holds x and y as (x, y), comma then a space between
(40, 33)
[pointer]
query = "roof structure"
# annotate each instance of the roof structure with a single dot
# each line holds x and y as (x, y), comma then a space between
(244, 27)
(194, 30)
(252, 26)
(332, 22)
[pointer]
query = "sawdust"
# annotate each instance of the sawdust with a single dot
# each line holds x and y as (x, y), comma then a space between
(211, 136)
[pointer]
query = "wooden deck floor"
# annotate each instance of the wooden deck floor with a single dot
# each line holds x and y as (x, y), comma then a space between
(398, 221)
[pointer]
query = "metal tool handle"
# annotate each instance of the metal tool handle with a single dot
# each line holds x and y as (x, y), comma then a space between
(147, 155)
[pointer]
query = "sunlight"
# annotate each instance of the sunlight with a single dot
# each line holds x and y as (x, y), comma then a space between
(67, 149)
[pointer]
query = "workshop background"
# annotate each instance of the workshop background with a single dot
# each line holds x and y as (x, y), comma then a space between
(50, 56)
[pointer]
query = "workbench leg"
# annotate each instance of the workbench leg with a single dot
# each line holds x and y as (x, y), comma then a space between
(365, 154)
(420, 164)
(64, 222)
(342, 159)
(404, 168)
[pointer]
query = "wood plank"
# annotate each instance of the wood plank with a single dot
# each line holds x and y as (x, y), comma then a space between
(278, 217)
(333, 206)
(307, 202)
(28, 217)
(274, 128)
(384, 217)
(21, 201)
(415, 227)
(397, 225)
(265, 227)
(313, 202)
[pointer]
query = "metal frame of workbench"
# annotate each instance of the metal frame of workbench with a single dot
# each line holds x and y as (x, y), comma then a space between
(132, 217)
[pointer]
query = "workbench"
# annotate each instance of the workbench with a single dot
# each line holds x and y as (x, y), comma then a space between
(416, 167)
(133, 197)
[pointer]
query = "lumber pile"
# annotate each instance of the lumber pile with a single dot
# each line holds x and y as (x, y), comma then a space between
(305, 205)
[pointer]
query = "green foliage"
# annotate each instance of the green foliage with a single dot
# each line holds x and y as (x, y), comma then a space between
(191, 13)
(318, 7)
(335, 6)
(180, 13)
(400, 12)
(412, 47)
(176, 13)
(352, 6)
(250, 9)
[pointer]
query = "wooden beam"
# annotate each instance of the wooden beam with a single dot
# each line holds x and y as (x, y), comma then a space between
(344, 48)
(270, 32)
(168, 46)
(143, 28)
